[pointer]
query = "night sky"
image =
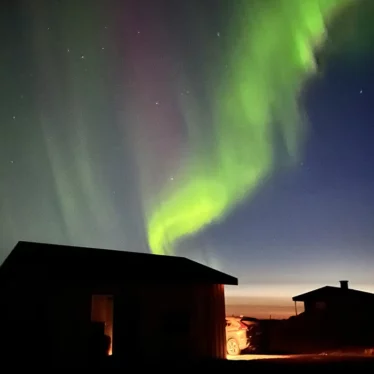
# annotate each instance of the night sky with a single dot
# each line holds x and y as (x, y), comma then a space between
(97, 101)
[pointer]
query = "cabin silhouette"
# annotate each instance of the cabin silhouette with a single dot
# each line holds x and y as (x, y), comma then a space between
(338, 316)
(337, 300)
(55, 299)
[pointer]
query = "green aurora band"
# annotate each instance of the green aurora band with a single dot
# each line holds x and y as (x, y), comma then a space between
(257, 101)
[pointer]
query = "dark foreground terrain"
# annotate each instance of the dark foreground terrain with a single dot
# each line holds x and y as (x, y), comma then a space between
(289, 363)
(299, 362)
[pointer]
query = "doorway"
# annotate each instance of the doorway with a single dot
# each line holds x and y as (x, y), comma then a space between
(102, 311)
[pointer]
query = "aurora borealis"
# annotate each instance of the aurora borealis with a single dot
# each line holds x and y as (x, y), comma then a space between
(257, 94)
(204, 128)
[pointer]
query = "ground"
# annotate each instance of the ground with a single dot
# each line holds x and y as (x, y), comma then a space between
(247, 357)
(257, 363)
(329, 359)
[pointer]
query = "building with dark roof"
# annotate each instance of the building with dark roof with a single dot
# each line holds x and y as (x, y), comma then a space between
(337, 300)
(335, 317)
(55, 299)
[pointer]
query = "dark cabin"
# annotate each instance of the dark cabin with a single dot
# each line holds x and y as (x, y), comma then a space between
(55, 298)
(336, 300)
(340, 315)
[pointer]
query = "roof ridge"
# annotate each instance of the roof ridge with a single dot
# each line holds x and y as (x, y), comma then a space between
(72, 262)
(335, 288)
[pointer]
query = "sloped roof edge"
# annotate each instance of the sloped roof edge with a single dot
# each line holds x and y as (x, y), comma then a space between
(330, 290)
(122, 265)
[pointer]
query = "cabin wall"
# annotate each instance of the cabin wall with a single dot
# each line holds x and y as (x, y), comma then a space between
(332, 323)
(170, 321)
(40, 321)
(210, 329)
(149, 321)
(69, 318)
(126, 320)
(23, 311)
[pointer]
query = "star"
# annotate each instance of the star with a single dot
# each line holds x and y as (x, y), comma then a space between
(14, 117)
(218, 34)
(11, 161)
(157, 103)
(68, 50)
(171, 178)
(82, 57)
(361, 91)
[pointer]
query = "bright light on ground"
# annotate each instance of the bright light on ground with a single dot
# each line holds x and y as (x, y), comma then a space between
(256, 357)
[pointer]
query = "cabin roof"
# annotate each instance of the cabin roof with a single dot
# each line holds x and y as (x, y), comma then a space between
(329, 292)
(30, 260)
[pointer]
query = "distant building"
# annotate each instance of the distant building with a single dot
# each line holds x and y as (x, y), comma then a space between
(54, 299)
(335, 317)
(336, 300)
